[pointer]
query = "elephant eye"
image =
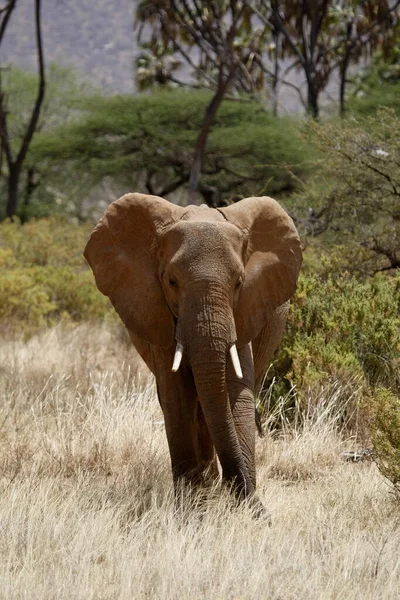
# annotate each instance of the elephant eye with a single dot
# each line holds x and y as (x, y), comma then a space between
(239, 282)
(173, 282)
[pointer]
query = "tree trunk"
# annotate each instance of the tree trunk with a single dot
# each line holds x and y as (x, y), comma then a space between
(275, 80)
(12, 200)
(344, 67)
(209, 115)
(343, 81)
(15, 164)
(31, 184)
(312, 101)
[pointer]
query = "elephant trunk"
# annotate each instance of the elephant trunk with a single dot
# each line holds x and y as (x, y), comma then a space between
(207, 342)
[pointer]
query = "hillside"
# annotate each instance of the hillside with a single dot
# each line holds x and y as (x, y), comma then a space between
(93, 36)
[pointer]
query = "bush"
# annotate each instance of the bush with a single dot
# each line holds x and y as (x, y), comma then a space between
(342, 332)
(385, 425)
(44, 277)
(378, 84)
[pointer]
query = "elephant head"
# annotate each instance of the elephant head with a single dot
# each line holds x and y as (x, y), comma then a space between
(201, 282)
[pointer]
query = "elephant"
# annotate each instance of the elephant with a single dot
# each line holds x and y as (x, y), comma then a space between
(204, 294)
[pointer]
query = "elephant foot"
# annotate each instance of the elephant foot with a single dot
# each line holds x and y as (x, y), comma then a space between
(258, 510)
(250, 502)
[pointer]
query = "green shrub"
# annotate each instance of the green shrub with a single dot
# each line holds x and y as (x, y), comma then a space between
(22, 300)
(52, 241)
(378, 84)
(386, 435)
(341, 331)
(353, 324)
(44, 277)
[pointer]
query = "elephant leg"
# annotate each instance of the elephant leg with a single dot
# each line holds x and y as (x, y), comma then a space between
(205, 452)
(241, 399)
(267, 342)
(177, 397)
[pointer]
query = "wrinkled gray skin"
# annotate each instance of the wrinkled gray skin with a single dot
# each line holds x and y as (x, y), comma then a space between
(207, 278)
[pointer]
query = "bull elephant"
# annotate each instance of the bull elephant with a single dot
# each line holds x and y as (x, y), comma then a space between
(204, 294)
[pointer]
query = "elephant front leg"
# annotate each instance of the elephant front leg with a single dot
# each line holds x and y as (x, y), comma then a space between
(265, 344)
(177, 398)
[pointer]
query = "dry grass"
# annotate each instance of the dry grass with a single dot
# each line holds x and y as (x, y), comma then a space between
(86, 507)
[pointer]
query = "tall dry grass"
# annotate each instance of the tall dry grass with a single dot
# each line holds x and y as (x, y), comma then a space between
(86, 505)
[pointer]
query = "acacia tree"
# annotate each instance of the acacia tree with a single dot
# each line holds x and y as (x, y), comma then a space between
(216, 40)
(15, 158)
(146, 141)
(322, 36)
(358, 208)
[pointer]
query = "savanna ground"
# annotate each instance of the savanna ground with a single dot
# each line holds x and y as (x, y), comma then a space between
(86, 503)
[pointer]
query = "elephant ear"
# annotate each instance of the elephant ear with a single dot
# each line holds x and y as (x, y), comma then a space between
(273, 262)
(122, 252)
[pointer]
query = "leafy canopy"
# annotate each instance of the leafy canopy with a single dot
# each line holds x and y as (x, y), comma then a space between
(146, 141)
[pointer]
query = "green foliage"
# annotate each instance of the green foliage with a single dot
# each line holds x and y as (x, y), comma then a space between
(355, 203)
(386, 438)
(61, 104)
(146, 142)
(379, 84)
(63, 88)
(376, 93)
(43, 276)
(47, 242)
(345, 327)
(341, 331)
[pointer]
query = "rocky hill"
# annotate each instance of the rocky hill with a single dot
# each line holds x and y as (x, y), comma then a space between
(93, 36)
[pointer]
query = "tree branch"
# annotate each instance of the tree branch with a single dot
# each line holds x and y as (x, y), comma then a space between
(4, 136)
(197, 37)
(276, 21)
(283, 81)
(316, 25)
(173, 185)
(41, 89)
(210, 112)
(375, 246)
(7, 10)
(297, 89)
(178, 48)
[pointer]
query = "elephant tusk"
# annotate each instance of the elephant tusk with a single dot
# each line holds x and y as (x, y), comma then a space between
(177, 357)
(235, 361)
